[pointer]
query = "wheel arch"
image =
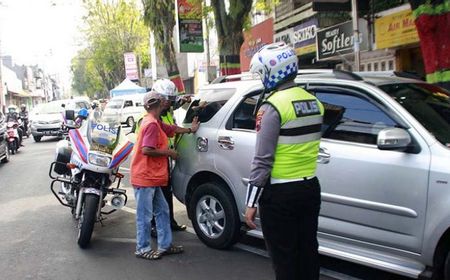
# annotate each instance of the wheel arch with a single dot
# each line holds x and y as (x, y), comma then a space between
(205, 177)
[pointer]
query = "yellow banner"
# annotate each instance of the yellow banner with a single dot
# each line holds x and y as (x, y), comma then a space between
(395, 30)
(306, 49)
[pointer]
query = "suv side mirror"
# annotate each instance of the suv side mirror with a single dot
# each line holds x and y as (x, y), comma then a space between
(393, 138)
(70, 115)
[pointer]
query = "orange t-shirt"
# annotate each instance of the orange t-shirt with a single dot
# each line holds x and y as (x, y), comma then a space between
(149, 171)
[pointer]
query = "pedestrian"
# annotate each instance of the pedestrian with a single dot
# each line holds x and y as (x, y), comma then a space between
(171, 102)
(149, 174)
(282, 180)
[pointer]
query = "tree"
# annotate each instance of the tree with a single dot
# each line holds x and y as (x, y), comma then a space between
(86, 81)
(159, 16)
(113, 28)
(230, 22)
(432, 19)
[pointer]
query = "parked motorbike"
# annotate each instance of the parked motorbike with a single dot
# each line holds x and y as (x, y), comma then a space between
(86, 167)
(13, 138)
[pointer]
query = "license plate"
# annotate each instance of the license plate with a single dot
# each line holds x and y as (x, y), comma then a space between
(47, 133)
(92, 191)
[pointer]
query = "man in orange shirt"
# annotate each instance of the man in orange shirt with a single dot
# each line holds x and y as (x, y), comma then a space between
(148, 174)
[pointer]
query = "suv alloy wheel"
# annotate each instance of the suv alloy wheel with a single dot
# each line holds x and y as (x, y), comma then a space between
(214, 215)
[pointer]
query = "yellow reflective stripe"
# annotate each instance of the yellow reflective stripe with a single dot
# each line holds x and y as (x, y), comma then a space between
(299, 139)
(304, 121)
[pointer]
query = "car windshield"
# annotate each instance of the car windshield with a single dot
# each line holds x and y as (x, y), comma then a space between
(104, 133)
(429, 104)
(114, 104)
(50, 108)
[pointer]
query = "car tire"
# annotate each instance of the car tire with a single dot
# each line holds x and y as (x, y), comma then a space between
(130, 121)
(215, 216)
(446, 271)
(37, 138)
(6, 158)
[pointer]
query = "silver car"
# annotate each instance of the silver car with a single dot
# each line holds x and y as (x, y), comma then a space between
(47, 119)
(383, 167)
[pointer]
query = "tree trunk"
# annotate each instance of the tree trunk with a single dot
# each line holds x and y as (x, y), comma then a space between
(432, 20)
(229, 25)
(160, 17)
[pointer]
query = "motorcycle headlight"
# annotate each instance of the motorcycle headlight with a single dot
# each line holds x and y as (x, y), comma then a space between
(99, 160)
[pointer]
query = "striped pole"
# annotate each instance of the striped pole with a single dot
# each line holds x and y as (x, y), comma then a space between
(230, 65)
(176, 79)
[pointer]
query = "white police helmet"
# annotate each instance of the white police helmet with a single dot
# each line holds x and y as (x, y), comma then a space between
(166, 88)
(275, 64)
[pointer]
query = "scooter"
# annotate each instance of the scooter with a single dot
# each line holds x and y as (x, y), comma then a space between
(86, 167)
(13, 138)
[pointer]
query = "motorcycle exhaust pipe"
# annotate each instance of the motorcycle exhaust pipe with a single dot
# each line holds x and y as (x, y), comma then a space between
(117, 201)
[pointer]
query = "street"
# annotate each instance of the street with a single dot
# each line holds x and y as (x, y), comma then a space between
(38, 237)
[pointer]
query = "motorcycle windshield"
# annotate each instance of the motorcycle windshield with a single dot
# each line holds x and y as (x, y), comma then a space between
(104, 133)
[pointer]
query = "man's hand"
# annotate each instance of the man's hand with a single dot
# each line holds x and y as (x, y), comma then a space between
(250, 214)
(172, 154)
(195, 124)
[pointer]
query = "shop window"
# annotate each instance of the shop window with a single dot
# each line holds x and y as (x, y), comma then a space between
(391, 65)
(375, 66)
(363, 67)
(369, 67)
(383, 66)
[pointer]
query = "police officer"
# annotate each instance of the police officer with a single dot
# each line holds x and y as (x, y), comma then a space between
(282, 181)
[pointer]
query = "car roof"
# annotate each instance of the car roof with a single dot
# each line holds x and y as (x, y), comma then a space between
(373, 78)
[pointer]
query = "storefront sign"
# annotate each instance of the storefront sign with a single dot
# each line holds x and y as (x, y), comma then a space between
(395, 30)
(305, 37)
(286, 36)
(190, 26)
(302, 37)
(254, 39)
(338, 40)
(131, 67)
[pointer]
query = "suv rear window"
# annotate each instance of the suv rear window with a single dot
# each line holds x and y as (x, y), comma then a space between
(208, 103)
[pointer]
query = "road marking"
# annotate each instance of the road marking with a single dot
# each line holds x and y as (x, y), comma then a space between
(323, 271)
(124, 169)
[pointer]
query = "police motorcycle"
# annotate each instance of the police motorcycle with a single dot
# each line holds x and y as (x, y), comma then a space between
(86, 168)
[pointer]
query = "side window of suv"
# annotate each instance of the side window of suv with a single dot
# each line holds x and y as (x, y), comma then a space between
(208, 103)
(244, 115)
(352, 118)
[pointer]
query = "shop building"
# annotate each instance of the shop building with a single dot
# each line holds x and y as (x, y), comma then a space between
(388, 39)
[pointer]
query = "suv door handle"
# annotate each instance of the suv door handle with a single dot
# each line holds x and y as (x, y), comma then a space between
(226, 142)
(324, 156)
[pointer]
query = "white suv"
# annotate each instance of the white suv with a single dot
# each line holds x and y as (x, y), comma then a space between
(383, 168)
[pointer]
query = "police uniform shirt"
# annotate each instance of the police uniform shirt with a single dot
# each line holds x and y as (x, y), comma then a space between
(267, 130)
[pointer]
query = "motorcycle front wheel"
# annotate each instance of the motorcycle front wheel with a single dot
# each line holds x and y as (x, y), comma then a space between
(87, 219)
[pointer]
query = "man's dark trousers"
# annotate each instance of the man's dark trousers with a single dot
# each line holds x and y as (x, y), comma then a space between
(289, 217)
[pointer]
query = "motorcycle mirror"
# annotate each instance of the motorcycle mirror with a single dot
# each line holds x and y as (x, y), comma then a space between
(70, 115)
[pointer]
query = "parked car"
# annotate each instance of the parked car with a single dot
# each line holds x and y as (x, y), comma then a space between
(128, 107)
(383, 167)
(4, 151)
(47, 118)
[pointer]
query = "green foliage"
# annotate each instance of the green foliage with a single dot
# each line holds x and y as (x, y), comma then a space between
(113, 27)
(159, 16)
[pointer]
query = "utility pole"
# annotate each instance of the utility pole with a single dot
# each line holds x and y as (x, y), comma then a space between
(355, 35)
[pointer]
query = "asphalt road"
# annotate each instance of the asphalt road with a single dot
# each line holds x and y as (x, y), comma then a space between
(38, 237)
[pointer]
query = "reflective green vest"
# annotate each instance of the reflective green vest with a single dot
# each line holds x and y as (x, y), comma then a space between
(301, 117)
(168, 119)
